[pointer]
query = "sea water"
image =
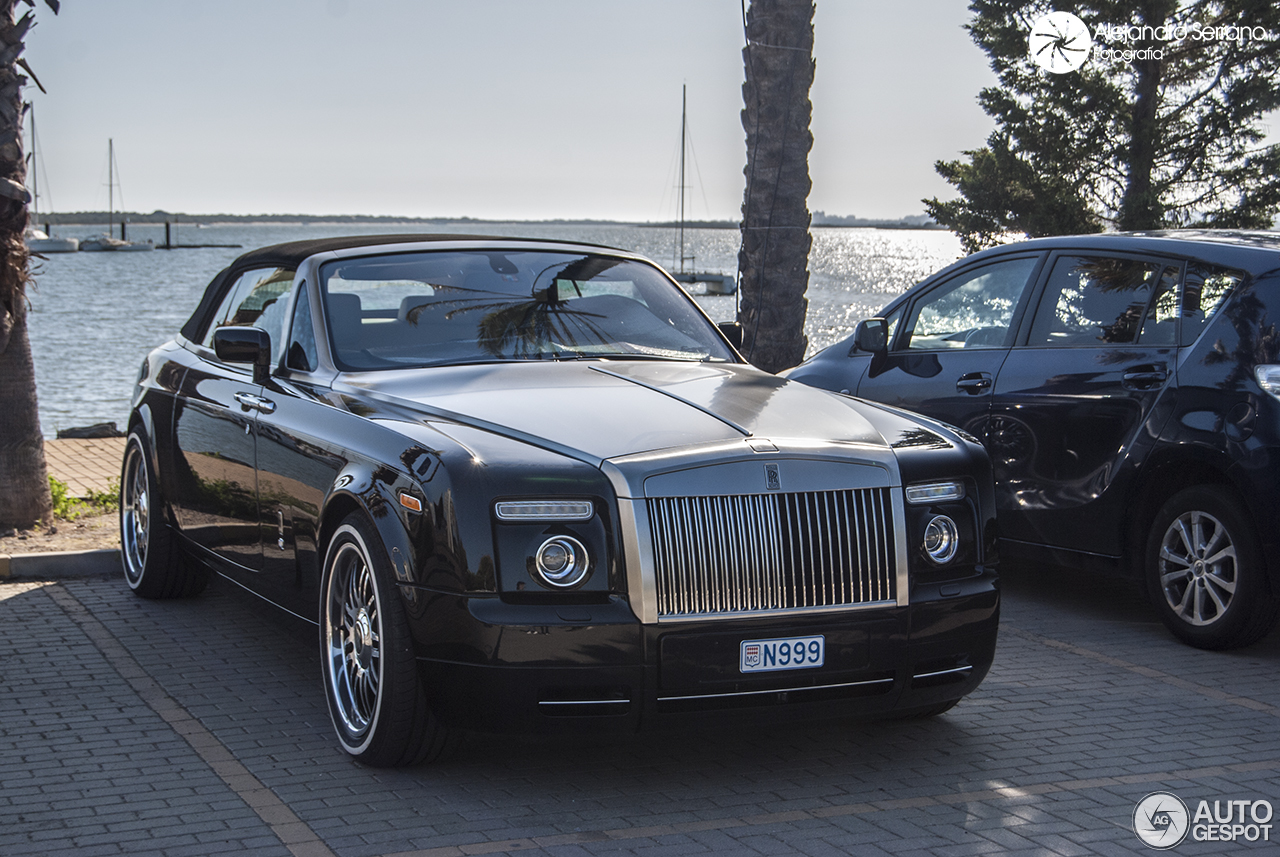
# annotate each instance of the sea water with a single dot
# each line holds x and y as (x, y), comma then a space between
(94, 316)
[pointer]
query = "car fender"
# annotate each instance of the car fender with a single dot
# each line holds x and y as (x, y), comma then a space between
(144, 418)
(1168, 469)
(373, 492)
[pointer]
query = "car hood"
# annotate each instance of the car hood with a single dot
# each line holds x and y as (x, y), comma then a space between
(599, 410)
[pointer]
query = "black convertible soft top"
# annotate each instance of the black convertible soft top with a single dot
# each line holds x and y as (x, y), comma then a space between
(292, 253)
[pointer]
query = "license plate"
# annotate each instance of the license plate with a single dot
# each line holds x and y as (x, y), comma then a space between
(782, 653)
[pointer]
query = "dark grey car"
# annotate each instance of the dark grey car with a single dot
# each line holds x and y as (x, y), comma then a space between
(1127, 388)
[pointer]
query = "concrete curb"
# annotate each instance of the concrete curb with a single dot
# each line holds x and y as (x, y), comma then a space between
(56, 565)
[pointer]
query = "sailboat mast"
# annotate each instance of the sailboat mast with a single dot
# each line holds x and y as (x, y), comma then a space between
(111, 186)
(35, 173)
(683, 116)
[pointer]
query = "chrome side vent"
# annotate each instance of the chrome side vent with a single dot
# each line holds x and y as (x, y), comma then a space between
(763, 553)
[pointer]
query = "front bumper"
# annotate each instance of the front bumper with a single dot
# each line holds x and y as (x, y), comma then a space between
(495, 666)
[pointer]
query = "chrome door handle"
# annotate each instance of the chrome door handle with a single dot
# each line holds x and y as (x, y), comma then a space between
(250, 401)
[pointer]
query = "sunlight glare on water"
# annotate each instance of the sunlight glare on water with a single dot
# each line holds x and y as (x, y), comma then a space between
(96, 315)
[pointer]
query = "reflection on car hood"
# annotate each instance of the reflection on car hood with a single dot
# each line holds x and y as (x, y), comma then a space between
(605, 409)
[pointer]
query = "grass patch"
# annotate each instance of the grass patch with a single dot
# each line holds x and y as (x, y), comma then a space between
(68, 508)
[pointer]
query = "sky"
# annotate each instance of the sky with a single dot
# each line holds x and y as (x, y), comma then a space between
(494, 109)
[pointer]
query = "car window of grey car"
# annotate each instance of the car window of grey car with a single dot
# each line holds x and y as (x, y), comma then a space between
(1094, 301)
(972, 310)
(1205, 291)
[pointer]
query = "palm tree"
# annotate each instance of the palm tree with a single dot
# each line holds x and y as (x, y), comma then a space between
(774, 259)
(24, 483)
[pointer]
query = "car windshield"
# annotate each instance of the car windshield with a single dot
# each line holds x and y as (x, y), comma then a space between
(449, 307)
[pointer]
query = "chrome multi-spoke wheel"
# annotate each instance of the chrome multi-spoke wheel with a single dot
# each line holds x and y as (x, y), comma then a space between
(376, 697)
(353, 634)
(1205, 570)
(135, 514)
(153, 566)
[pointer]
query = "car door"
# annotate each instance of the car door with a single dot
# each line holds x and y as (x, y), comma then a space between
(215, 440)
(296, 466)
(215, 488)
(1082, 398)
(945, 355)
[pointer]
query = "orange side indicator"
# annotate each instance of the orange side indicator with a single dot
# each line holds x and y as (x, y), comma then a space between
(410, 502)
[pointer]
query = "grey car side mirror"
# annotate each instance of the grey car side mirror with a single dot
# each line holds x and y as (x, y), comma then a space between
(871, 335)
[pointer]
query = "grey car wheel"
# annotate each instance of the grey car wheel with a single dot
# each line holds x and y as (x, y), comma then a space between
(1198, 568)
(1205, 571)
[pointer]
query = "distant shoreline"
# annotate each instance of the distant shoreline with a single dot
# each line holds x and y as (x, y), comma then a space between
(100, 218)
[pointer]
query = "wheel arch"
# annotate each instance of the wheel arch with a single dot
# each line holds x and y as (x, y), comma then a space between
(336, 510)
(1165, 476)
(371, 494)
(143, 418)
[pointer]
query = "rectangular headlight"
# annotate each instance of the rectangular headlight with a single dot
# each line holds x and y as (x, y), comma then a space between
(934, 492)
(1268, 376)
(545, 510)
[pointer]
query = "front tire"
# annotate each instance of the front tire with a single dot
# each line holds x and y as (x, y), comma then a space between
(154, 567)
(1205, 571)
(377, 703)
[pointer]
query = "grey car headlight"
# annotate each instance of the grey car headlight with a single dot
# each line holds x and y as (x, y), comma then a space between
(1268, 376)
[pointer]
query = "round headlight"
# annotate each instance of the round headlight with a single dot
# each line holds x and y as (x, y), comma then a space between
(561, 562)
(941, 539)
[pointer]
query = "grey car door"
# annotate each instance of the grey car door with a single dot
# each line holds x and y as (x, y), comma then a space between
(945, 356)
(1080, 400)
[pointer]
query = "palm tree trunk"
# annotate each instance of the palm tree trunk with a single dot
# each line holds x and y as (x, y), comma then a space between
(774, 259)
(24, 484)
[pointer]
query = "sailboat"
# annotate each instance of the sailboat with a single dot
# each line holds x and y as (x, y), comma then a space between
(107, 240)
(715, 284)
(37, 240)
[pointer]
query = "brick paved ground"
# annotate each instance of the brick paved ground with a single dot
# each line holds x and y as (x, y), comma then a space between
(175, 728)
(85, 464)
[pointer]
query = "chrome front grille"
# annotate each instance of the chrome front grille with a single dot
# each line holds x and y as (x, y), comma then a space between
(772, 552)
